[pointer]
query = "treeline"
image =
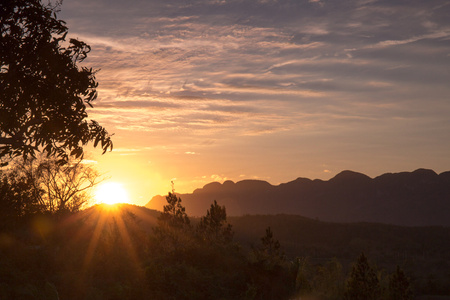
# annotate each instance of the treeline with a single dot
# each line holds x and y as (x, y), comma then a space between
(423, 252)
(207, 264)
(105, 253)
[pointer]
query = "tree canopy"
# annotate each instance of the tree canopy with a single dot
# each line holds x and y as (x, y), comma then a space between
(44, 92)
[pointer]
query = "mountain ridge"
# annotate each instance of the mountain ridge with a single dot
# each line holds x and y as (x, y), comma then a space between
(417, 198)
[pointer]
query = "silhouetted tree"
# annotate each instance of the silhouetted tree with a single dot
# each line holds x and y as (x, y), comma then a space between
(399, 286)
(17, 198)
(214, 227)
(173, 233)
(174, 214)
(363, 283)
(271, 277)
(269, 252)
(194, 263)
(45, 185)
(43, 92)
(66, 187)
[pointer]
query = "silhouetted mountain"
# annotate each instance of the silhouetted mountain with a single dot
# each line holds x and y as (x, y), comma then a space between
(418, 198)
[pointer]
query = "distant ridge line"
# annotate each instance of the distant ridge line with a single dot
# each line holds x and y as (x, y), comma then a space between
(417, 198)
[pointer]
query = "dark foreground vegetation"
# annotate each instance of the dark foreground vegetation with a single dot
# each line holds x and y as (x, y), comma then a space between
(130, 252)
(423, 253)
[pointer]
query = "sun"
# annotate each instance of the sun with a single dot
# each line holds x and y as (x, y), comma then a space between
(111, 193)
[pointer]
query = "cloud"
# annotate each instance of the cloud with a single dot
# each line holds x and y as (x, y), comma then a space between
(136, 104)
(211, 70)
(219, 178)
(390, 43)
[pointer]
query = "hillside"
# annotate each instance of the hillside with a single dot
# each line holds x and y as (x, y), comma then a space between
(422, 251)
(419, 198)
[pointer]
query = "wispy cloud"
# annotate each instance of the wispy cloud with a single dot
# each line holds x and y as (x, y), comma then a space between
(390, 43)
(236, 70)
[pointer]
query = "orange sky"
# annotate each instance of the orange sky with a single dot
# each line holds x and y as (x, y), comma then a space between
(205, 90)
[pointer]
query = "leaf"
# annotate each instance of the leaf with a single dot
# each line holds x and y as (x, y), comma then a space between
(97, 139)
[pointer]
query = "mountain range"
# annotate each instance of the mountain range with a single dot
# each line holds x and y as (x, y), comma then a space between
(418, 198)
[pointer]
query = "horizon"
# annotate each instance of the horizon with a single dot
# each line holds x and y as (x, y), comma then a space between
(269, 90)
(301, 177)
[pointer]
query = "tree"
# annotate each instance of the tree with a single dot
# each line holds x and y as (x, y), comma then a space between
(55, 187)
(174, 214)
(214, 227)
(399, 286)
(173, 233)
(17, 198)
(271, 275)
(269, 252)
(66, 187)
(43, 92)
(363, 283)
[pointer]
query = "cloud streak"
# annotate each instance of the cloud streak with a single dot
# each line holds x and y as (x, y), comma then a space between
(226, 70)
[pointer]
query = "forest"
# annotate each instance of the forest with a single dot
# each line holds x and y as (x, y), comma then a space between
(131, 252)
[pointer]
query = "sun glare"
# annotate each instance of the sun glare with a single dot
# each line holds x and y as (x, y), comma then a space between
(111, 193)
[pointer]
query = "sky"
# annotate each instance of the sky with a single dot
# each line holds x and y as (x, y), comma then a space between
(211, 90)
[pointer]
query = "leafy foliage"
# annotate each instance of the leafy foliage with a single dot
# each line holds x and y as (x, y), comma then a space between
(18, 199)
(43, 91)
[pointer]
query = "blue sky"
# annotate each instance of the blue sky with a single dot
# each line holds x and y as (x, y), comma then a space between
(205, 90)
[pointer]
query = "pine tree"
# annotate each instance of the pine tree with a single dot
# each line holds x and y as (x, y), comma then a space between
(362, 283)
(269, 253)
(214, 227)
(399, 286)
(174, 214)
(173, 233)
